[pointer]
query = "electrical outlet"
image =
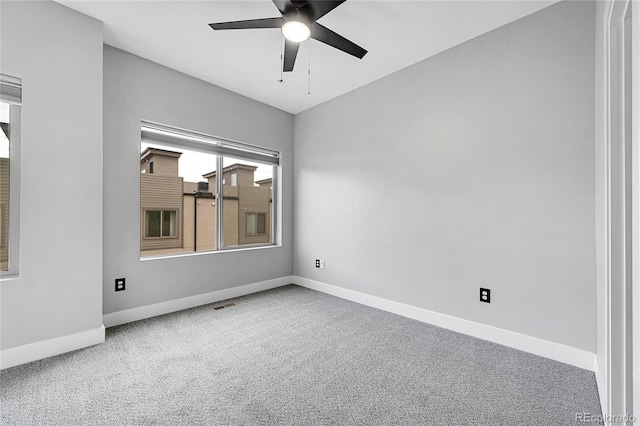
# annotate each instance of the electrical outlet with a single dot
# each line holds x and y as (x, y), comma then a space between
(320, 263)
(120, 284)
(317, 263)
(485, 295)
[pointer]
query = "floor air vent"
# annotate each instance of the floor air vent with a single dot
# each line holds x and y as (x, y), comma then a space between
(227, 305)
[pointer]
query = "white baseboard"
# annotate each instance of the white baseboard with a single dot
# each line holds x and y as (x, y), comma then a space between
(149, 311)
(51, 347)
(555, 351)
(602, 388)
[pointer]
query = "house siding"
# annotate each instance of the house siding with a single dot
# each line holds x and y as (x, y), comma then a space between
(161, 193)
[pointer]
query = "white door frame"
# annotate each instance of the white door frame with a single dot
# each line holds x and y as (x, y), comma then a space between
(617, 204)
(635, 143)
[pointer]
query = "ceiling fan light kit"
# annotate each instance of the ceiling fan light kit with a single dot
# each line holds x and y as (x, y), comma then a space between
(298, 22)
(295, 30)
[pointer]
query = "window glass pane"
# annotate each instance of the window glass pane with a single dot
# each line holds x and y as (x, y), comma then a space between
(5, 184)
(248, 205)
(251, 223)
(168, 223)
(261, 223)
(152, 224)
(256, 223)
(179, 184)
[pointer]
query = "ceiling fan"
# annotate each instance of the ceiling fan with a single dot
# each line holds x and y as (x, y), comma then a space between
(298, 23)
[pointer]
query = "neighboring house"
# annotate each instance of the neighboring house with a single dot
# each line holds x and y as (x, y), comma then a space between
(161, 208)
(178, 216)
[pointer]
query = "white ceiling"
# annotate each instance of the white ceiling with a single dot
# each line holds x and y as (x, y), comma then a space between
(396, 33)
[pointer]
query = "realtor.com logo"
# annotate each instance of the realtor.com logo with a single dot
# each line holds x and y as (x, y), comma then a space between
(606, 419)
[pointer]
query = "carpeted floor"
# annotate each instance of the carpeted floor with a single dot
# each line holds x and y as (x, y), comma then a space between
(293, 356)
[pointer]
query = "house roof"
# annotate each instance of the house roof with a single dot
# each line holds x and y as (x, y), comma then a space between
(236, 166)
(156, 151)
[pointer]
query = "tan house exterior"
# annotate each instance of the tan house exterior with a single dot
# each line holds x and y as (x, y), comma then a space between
(247, 206)
(160, 191)
(243, 198)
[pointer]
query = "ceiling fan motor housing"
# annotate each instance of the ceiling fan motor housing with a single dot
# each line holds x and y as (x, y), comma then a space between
(296, 15)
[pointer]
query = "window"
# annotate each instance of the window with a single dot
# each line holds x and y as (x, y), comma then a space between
(256, 223)
(150, 166)
(160, 224)
(10, 105)
(205, 193)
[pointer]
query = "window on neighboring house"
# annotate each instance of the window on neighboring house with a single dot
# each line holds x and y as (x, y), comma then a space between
(256, 223)
(206, 193)
(150, 166)
(10, 105)
(160, 224)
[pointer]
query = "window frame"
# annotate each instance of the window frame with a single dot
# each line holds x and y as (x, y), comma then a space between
(162, 212)
(11, 93)
(170, 136)
(257, 214)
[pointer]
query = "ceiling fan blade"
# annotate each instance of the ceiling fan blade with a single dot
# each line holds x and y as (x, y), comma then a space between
(325, 35)
(290, 53)
(251, 23)
(317, 9)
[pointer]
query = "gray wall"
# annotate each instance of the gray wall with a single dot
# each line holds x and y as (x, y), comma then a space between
(472, 168)
(58, 54)
(137, 89)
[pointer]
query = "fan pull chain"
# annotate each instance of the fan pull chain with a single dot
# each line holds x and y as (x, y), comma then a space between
(309, 69)
(281, 60)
